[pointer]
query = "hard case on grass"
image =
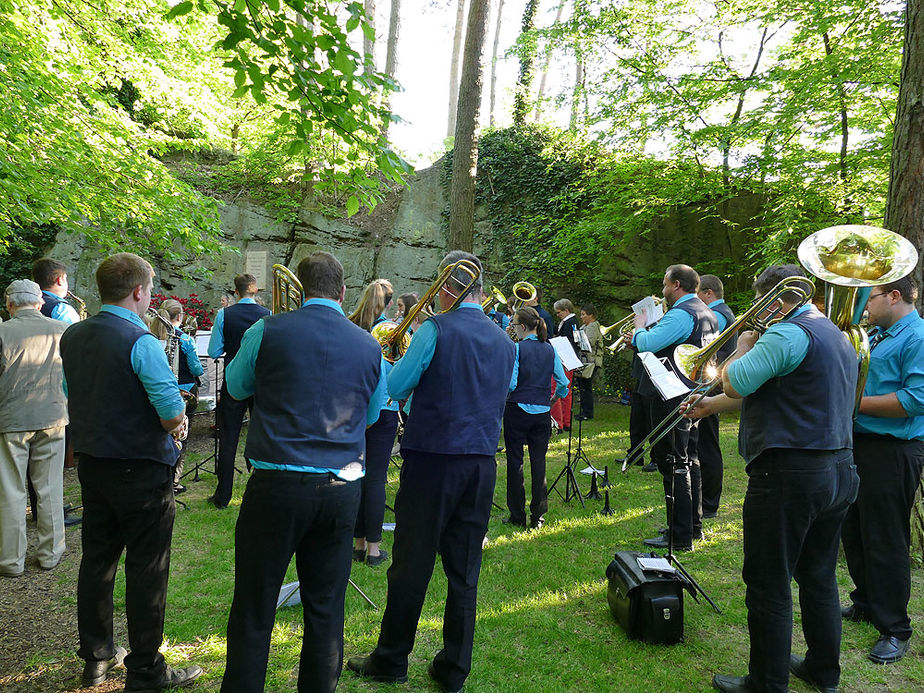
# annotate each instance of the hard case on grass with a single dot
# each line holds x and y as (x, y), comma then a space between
(648, 605)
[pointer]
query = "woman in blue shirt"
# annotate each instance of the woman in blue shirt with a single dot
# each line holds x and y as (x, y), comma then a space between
(526, 415)
(380, 437)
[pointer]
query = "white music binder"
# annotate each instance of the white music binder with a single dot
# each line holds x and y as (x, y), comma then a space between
(665, 380)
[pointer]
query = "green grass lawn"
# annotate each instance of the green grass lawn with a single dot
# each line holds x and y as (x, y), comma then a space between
(543, 619)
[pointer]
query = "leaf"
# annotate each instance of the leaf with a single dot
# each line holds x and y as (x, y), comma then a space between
(180, 9)
(352, 205)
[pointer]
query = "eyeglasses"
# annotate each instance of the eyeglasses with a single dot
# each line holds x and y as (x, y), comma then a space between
(881, 293)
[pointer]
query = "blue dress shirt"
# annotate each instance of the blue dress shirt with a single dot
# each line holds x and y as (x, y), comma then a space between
(63, 310)
(723, 323)
(897, 365)
(561, 381)
(150, 365)
(217, 338)
(240, 378)
(778, 352)
(673, 328)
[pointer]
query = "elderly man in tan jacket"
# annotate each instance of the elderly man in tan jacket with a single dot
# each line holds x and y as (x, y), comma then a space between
(33, 413)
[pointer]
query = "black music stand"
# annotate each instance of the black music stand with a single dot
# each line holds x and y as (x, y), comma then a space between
(571, 485)
(200, 465)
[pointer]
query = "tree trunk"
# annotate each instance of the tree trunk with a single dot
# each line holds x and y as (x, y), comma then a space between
(842, 107)
(545, 66)
(391, 54)
(465, 150)
(527, 55)
(454, 69)
(497, 28)
(578, 89)
(369, 43)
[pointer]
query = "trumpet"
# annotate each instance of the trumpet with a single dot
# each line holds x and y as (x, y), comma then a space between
(624, 328)
(78, 303)
(394, 337)
(698, 364)
(287, 290)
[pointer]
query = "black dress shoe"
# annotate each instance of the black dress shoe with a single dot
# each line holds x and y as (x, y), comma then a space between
(94, 673)
(650, 467)
(734, 684)
(172, 678)
(377, 560)
(359, 555)
(431, 670)
(219, 506)
(511, 521)
(536, 523)
(661, 542)
(363, 666)
(72, 520)
(178, 489)
(854, 613)
(888, 649)
(709, 514)
(800, 671)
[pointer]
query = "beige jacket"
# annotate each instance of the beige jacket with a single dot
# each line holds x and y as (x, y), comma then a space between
(31, 376)
(595, 337)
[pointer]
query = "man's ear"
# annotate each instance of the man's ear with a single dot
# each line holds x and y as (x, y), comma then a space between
(137, 291)
(342, 294)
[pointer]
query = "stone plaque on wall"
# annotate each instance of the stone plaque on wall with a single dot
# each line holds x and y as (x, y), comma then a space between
(255, 264)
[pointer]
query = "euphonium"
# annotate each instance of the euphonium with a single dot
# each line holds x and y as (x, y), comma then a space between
(495, 296)
(394, 337)
(287, 290)
(624, 329)
(523, 293)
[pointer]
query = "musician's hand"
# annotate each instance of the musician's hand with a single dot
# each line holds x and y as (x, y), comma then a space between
(180, 432)
(640, 320)
(746, 340)
(703, 407)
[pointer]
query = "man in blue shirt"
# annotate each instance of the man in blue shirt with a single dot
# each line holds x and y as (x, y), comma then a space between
(227, 332)
(306, 442)
(688, 321)
(795, 386)
(51, 276)
(126, 412)
(888, 450)
(459, 368)
(712, 293)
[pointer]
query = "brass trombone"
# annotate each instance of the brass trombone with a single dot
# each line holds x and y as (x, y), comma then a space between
(698, 364)
(394, 337)
(287, 290)
(494, 296)
(624, 328)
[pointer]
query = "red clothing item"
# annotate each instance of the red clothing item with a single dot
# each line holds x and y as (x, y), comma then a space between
(561, 410)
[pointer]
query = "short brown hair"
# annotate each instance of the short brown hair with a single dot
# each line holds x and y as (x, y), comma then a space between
(710, 282)
(45, 272)
(773, 275)
(321, 275)
(906, 286)
(119, 274)
(245, 284)
(686, 275)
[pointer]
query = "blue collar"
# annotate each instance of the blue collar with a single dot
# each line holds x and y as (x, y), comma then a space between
(685, 297)
(469, 304)
(248, 299)
(716, 302)
(123, 313)
(326, 302)
(532, 336)
(900, 324)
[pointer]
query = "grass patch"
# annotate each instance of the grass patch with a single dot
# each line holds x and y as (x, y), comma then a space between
(543, 620)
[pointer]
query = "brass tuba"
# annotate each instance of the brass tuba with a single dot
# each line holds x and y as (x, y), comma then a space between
(78, 303)
(394, 337)
(287, 290)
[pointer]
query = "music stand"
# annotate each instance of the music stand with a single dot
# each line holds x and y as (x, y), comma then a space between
(571, 485)
(200, 465)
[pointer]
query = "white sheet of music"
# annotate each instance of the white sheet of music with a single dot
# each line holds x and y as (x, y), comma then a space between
(664, 379)
(202, 342)
(655, 311)
(566, 353)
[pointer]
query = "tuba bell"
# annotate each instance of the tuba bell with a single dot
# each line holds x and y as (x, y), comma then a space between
(287, 290)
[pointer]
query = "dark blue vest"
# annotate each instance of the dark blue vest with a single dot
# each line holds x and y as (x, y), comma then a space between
(547, 317)
(50, 303)
(729, 347)
(315, 374)
(534, 377)
(497, 317)
(458, 404)
(812, 407)
(111, 415)
(183, 375)
(705, 329)
(237, 319)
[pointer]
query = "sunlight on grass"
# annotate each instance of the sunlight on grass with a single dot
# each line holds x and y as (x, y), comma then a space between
(541, 600)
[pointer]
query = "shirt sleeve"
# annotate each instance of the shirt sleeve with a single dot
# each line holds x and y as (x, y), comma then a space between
(217, 338)
(561, 380)
(240, 374)
(515, 375)
(192, 357)
(674, 327)
(778, 352)
(379, 396)
(150, 365)
(911, 393)
(406, 374)
(65, 313)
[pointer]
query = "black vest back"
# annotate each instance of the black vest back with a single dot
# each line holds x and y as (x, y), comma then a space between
(184, 375)
(705, 329)
(812, 407)
(729, 347)
(237, 319)
(315, 374)
(49, 304)
(111, 415)
(534, 377)
(458, 404)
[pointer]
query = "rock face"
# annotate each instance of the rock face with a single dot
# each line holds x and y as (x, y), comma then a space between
(404, 239)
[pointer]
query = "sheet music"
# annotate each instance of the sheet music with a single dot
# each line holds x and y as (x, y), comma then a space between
(202, 342)
(665, 380)
(566, 353)
(655, 311)
(583, 342)
(657, 565)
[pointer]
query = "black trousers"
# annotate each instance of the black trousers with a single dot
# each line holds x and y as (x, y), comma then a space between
(675, 455)
(640, 423)
(877, 529)
(230, 417)
(442, 506)
(127, 504)
(310, 515)
(710, 462)
(793, 509)
(380, 438)
(532, 430)
(585, 388)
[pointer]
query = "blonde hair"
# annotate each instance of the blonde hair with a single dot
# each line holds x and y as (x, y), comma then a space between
(376, 297)
(169, 310)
